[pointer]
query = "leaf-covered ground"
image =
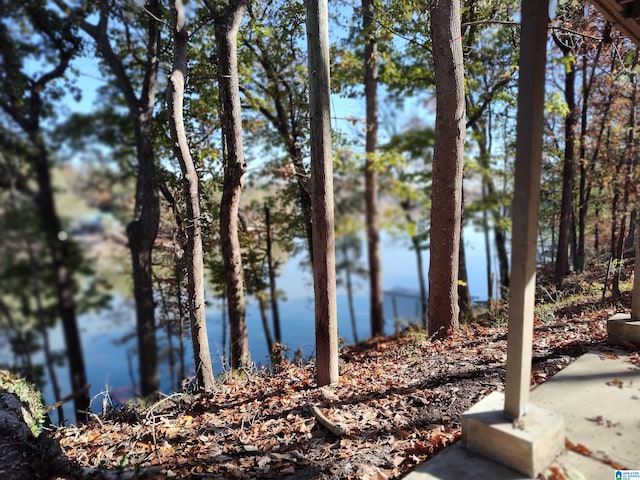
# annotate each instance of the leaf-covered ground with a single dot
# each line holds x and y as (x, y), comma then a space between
(398, 402)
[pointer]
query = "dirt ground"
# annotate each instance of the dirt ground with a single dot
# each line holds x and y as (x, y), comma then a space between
(398, 402)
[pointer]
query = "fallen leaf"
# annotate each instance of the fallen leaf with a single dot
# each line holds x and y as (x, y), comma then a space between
(616, 382)
(290, 470)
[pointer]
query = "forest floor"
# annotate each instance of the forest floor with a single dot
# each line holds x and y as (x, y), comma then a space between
(398, 402)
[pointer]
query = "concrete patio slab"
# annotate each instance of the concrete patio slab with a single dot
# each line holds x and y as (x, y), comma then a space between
(598, 396)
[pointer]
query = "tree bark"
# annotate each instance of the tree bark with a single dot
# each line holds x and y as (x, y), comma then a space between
(348, 267)
(273, 291)
(63, 281)
(566, 208)
(584, 182)
(191, 185)
(446, 196)
(630, 164)
(415, 243)
(227, 20)
(25, 456)
(370, 172)
(464, 295)
(324, 262)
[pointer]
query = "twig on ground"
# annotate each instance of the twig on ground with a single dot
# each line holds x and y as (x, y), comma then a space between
(334, 428)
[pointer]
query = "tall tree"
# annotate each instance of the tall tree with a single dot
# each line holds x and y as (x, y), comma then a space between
(584, 183)
(227, 17)
(191, 183)
(324, 262)
(133, 72)
(370, 172)
(446, 196)
(626, 167)
(272, 275)
(566, 210)
(26, 97)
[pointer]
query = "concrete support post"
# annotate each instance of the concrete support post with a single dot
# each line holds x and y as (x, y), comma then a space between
(533, 40)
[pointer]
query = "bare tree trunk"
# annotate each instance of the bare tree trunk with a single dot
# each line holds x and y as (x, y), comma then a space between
(262, 305)
(42, 326)
(584, 181)
(273, 291)
(487, 246)
(227, 17)
(370, 173)
(566, 210)
(499, 234)
(464, 295)
(349, 286)
(446, 196)
(415, 242)
(424, 302)
(324, 262)
(64, 283)
(191, 185)
(630, 164)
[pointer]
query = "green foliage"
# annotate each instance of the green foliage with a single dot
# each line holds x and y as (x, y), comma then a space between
(31, 409)
(556, 104)
(408, 181)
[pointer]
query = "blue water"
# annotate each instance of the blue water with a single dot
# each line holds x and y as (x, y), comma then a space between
(111, 362)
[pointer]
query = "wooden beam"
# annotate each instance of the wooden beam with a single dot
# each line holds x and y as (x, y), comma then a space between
(623, 15)
(533, 41)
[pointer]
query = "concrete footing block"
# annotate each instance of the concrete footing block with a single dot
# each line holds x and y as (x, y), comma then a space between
(527, 445)
(621, 329)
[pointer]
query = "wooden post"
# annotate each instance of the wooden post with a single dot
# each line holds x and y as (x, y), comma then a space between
(324, 262)
(533, 40)
(635, 293)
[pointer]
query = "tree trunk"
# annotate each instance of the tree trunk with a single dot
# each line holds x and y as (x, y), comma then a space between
(24, 455)
(273, 291)
(499, 234)
(566, 209)
(464, 295)
(37, 295)
(62, 278)
(415, 242)
(227, 20)
(370, 172)
(630, 164)
(487, 246)
(348, 266)
(324, 262)
(424, 308)
(262, 305)
(191, 185)
(304, 191)
(446, 196)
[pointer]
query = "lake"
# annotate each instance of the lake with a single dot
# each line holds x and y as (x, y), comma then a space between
(110, 346)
